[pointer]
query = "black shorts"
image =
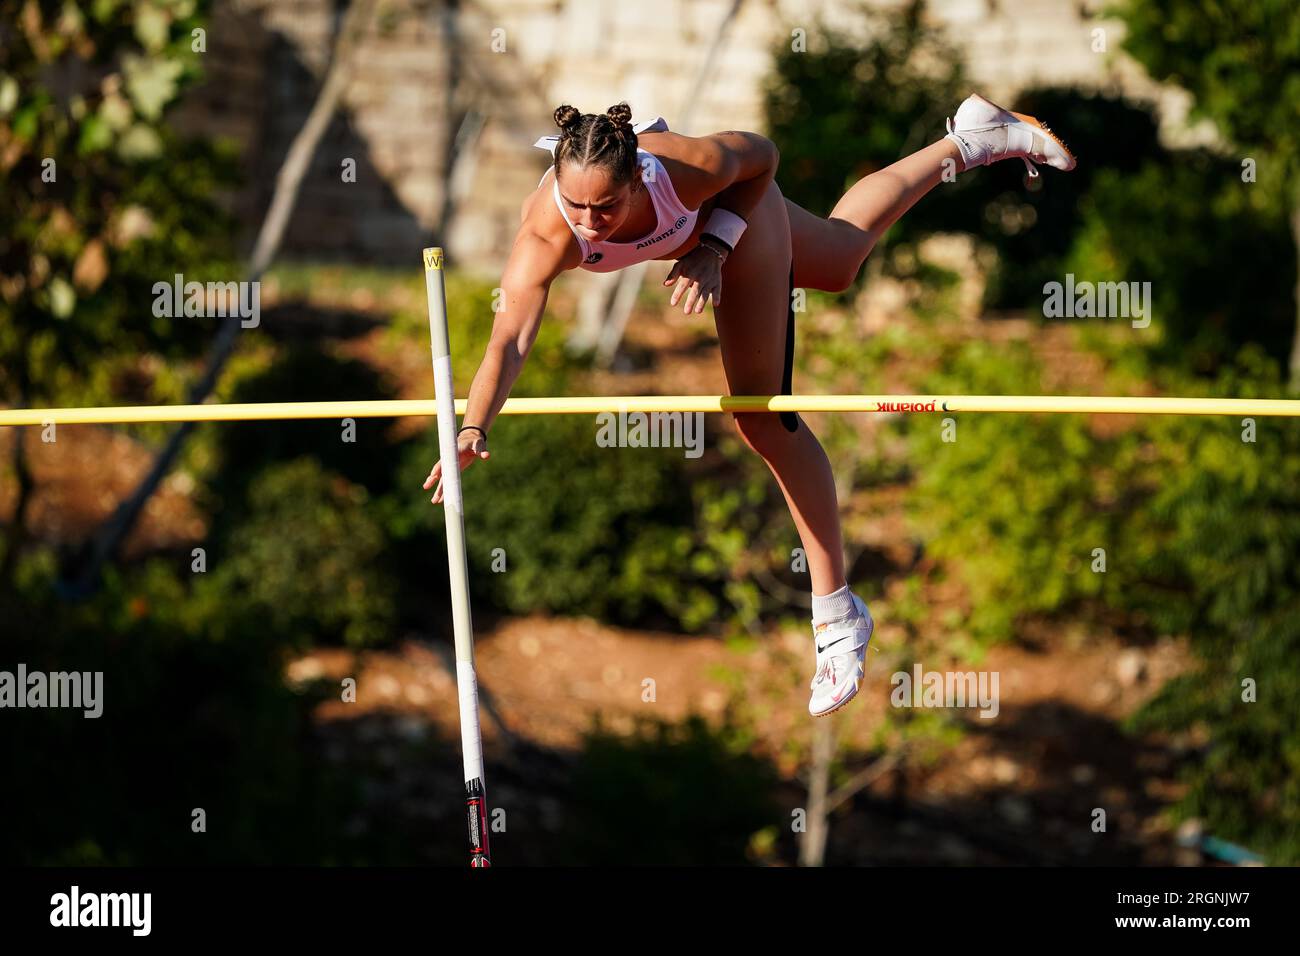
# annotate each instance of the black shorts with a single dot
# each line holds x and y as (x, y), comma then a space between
(789, 419)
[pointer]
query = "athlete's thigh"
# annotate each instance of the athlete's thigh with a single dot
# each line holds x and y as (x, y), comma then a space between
(827, 252)
(753, 317)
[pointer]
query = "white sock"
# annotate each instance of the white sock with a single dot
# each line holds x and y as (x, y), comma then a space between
(971, 155)
(835, 606)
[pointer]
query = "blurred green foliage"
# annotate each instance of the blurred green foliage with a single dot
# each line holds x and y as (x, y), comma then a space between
(308, 559)
(841, 106)
(1018, 501)
(1239, 59)
(1215, 255)
(562, 524)
(1200, 531)
(1218, 251)
(102, 199)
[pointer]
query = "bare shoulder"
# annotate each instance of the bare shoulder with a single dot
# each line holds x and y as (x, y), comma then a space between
(544, 235)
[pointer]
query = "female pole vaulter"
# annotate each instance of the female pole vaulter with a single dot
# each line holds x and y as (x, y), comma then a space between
(619, 194)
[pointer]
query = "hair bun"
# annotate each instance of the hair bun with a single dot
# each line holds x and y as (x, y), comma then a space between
(566, 117)
(620, 114)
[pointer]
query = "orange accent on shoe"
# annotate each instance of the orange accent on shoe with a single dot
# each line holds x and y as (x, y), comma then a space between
(1035, 121)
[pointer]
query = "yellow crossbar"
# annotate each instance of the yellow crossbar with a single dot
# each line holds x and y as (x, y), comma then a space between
(939, 404)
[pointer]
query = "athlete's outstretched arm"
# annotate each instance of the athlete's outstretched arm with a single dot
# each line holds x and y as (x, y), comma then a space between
(533, 265)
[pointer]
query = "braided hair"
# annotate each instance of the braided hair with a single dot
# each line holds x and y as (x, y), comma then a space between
(604, 141)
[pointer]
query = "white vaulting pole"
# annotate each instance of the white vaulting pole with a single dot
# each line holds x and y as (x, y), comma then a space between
(471, 740)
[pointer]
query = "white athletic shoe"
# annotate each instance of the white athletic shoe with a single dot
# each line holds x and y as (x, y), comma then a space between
(841, 652)
(985, 133)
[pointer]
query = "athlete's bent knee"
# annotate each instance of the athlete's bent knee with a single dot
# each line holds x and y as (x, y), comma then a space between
(767, 432)
(841, 280)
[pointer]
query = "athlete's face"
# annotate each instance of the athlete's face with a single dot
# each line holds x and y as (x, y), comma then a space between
(594, 203)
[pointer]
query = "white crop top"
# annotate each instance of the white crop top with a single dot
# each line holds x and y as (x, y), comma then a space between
(674, 226)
